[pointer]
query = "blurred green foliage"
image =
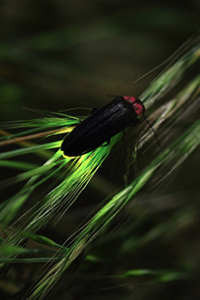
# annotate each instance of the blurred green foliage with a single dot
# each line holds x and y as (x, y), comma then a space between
(63, 54)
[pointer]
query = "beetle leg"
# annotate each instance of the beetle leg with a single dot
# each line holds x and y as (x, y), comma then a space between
(135, 123)
(94, 110)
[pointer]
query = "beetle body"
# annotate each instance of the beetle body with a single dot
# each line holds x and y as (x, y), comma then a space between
(102, 125)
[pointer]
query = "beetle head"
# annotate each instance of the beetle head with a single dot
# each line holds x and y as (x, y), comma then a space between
(137, 105)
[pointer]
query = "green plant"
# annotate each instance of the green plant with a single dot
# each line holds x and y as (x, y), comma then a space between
(69, 177)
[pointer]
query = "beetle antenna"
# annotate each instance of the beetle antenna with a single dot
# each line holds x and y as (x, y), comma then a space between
(151, 127)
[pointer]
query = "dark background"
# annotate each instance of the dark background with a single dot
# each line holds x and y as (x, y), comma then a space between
(56, 55)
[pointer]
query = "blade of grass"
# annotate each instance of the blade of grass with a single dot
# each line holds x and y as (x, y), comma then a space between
(181, 148)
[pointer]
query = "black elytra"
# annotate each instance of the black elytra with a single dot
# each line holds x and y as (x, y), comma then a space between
(102, 125)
